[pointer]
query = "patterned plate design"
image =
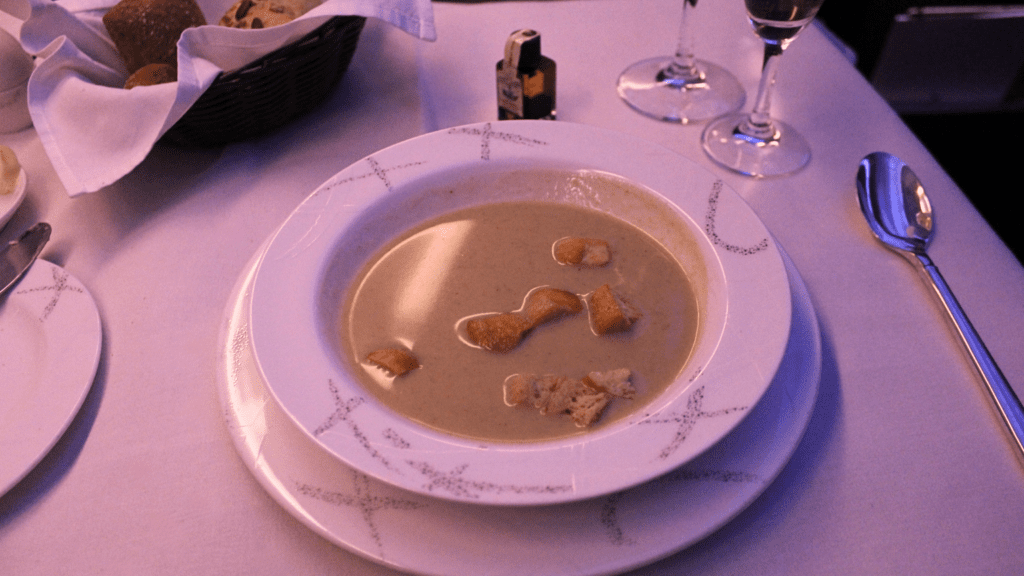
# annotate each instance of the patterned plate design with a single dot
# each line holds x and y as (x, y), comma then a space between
(50, 341)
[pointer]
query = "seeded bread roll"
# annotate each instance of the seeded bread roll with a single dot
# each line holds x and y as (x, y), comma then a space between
(255, 14)
(147, 31)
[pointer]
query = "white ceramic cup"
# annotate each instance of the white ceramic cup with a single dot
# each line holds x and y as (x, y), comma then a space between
(15, 68)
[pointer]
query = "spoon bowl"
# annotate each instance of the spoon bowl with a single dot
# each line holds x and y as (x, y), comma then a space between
(894, 202)
(897, 209)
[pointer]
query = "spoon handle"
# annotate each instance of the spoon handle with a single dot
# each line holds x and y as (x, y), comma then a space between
(1006, 400)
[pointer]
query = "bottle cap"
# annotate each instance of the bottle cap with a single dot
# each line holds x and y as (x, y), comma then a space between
(522, 50)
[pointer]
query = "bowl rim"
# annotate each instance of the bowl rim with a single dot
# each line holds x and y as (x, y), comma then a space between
(707, 401)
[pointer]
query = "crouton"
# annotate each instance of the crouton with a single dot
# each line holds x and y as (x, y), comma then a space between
(614, 382)
(498, 333)
(611, 313)
(518, 388)
(547, 304)
(575, 251)
(394, 360)
(585, 409)
(556, 394)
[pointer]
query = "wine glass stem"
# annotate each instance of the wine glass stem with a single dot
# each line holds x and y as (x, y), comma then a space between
(758, 124)
(683, 71)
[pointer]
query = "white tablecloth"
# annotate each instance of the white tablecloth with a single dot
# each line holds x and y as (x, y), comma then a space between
(905, 468)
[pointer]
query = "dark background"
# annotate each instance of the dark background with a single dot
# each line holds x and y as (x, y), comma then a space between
(957, 80)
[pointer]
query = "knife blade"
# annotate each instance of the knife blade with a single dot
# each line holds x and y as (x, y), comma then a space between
(18, 256)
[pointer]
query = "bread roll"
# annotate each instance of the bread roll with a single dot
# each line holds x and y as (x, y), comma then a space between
(152, 74)
(10, 168)
(147, 31)
(255, 14)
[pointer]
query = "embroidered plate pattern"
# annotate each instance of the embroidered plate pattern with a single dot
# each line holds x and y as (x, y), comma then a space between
(486, 135)
(363, 497)
(709, 226)
(376, 171)
(58, 287)
(686, 420)
(609, 514)
(610, 521)
(343, 409)
(456, 484)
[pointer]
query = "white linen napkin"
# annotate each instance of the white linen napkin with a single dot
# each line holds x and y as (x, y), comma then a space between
(94, 131)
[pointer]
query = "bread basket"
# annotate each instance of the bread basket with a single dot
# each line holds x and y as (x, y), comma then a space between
(271, 91)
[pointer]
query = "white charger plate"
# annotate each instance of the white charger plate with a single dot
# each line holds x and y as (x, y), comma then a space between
(724, 248)
(603, 535)
(50, 340)
(9, 202)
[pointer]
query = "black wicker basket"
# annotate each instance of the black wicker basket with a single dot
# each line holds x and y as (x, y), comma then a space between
(271, 91)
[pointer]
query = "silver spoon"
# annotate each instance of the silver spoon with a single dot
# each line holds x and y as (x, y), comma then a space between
(897, 209)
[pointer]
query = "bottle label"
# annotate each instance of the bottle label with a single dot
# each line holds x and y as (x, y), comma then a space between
(510, 91)
(533, 85)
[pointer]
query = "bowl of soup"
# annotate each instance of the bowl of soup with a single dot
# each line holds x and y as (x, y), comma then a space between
(519, 313)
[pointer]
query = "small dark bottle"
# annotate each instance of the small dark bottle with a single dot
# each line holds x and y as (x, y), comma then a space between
(526, 80)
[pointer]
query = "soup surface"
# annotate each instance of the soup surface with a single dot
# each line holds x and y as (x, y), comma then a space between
(418, 292)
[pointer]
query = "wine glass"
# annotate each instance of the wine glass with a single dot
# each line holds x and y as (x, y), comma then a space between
(755, 144)
(680, 88)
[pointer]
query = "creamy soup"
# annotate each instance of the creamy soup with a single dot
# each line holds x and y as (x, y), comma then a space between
(418, 292)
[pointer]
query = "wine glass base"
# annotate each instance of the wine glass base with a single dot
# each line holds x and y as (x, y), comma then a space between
(642, 87)
(782, 155)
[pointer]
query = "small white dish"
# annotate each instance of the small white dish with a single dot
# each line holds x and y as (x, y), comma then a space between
(606, 535)
(9, 203)
(728, 254)
(50, 340)
(14, 113)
